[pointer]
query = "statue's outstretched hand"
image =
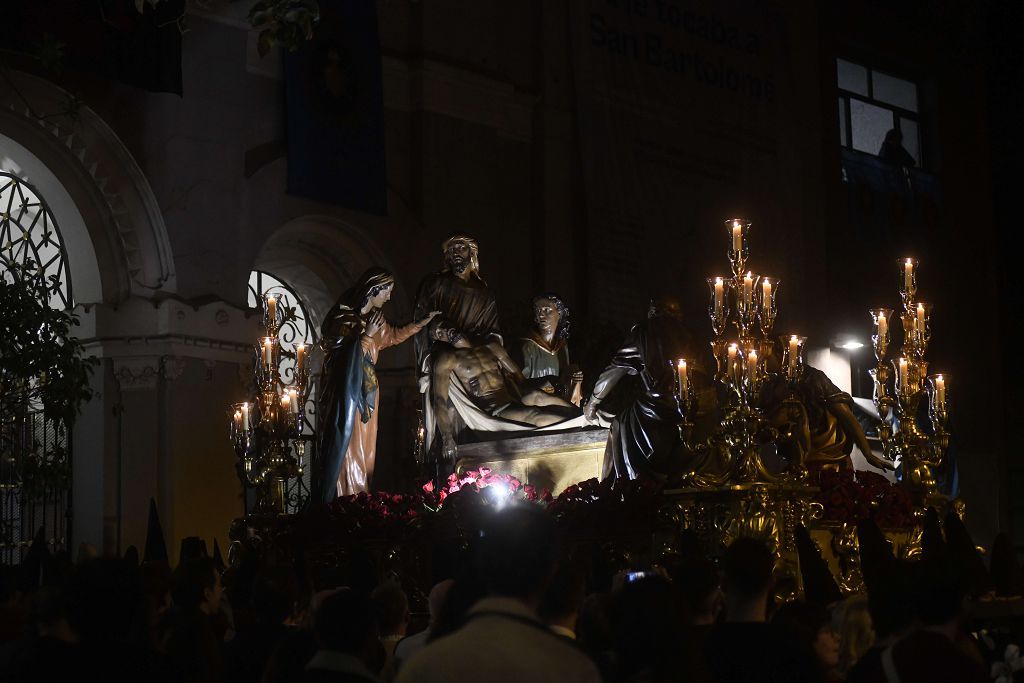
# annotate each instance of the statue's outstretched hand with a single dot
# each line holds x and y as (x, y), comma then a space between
(590, 410)
(425, 320)
(877, 462)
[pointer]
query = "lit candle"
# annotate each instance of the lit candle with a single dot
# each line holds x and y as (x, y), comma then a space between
(294, 398)
(737, 236)
(245, 418)
(920, 318)
(904, 375)
(733, 351)
(238, 420)
(908, 274)
(794, 352)
(940, 390)
(271, 308)
(766, 293)
(268, 352)
(684, 380)
(748, 288)
(286, 402)
(752, 365)
(300, 358)
(883, 327)
(719, 296)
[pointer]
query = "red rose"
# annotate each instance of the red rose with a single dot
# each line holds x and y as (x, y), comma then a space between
(484, 471)
(429, 486)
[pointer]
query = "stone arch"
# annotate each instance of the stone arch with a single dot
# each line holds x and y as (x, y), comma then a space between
(320, 257)
(110, 220)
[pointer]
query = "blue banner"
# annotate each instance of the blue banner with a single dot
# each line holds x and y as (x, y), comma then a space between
(335, 110)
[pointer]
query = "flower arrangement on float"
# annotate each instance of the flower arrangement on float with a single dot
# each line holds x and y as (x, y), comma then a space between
(501, 488)
(845, 497)
(850, 497)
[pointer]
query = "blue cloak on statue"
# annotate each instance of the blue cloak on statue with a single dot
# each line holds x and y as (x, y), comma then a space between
(342, 398)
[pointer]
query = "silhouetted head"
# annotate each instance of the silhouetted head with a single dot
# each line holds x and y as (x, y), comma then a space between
(809, 626)
(195, 585)
(665, 306)
(747, 568)
(346, 622)
(563, 596)
(275, 594)
(517, 551)
(392, 606)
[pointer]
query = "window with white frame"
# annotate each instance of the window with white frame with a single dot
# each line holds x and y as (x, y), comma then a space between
(873, 102)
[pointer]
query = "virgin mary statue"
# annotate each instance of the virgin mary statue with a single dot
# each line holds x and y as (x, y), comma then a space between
(353, 334)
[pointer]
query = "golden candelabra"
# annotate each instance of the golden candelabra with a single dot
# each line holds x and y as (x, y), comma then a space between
(902, 382)
(749, 303)
(266, 432)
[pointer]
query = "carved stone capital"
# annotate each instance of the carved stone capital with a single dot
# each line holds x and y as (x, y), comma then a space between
(172, 367)
(136, 374)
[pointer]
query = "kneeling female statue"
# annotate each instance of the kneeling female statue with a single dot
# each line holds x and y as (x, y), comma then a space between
(353, 335)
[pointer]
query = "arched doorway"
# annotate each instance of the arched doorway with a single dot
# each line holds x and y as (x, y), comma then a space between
(108, 214)
(77, 204)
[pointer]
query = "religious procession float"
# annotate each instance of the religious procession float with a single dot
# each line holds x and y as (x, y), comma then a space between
(669, 452)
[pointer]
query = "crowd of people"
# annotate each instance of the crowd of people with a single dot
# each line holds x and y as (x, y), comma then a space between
(516, 606)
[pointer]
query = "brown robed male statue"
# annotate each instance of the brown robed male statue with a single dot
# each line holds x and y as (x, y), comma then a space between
(469, 317)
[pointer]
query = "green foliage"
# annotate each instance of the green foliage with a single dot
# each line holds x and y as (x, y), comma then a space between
(285, 23)
(41, 368)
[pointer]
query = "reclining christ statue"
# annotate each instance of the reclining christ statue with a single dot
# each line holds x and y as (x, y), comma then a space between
(483, 382)
(466, 378)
